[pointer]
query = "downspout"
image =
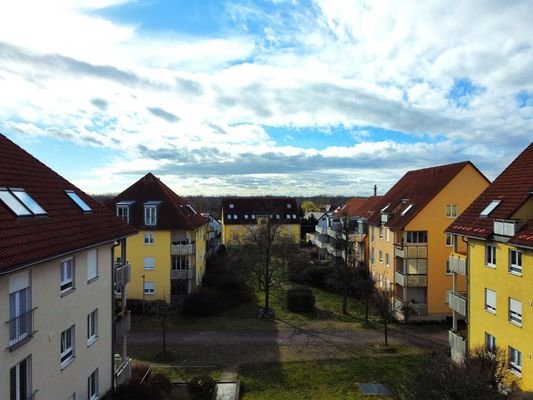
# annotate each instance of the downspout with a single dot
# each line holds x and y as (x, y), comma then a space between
(113, 328)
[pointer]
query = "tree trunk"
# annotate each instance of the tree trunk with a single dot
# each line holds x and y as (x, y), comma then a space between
(386, 335)
(267, 286)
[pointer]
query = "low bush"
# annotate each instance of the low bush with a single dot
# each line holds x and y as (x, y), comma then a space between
(300, 300)
(204, 303)
(150, 307)
(202, 388)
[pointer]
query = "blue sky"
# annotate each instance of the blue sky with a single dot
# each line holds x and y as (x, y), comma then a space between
(292, 97)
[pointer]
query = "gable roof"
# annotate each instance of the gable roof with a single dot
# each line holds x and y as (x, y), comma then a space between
(369, 207)
(351, 206)
(246, 207)
(174, 212)
(413, 192)
(513, 187)
(26, 240)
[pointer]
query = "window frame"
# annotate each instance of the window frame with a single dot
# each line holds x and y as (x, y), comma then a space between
(149, 267)
(92, 386)
(123, 212)
(151, 238)
(150, 214)
(490, 342)
(515, 361)
(489, 307)
(515, 267)
(20, 323)
(92, 327)
(147, 290)
(67, 354)
(449, 240)
(490, 255)
(92, 277)
(451, 211)
(66, 284)
(21, 378)
(387, 259)
(515, 312)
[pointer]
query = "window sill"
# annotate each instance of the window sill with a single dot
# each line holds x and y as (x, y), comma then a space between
(91, 341)
(66, 363)
(515, 372)
(92, 280)
(493, 312)
(517, 324)
(67, 291)
(491, 266)
(515, 273)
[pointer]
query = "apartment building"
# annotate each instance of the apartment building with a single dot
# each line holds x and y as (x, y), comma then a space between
(57, 247)
(408, 247)
(240, 215)
(168, 254)
(496, 255)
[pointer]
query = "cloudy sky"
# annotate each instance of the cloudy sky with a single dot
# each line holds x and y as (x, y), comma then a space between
(296, 97)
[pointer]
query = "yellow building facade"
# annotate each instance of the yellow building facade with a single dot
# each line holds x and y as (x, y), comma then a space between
(168, 255)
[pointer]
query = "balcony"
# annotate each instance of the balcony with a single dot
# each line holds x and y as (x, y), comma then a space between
(333, 251)
(182, 249)
(458, 302)
(122, 274)
(457, 345)
(457, 263)
(321, 230)
(181, 274)
(122, 370)
(410, 280)
(21, 329)
(419, 309)
(399, 251)
(122, 324)
(321, 243)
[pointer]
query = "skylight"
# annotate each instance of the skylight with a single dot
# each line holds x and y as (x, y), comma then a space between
(28, 201)
(384, 208)
(79, 202)
(406, 210)
(14, 205)
(490, 208)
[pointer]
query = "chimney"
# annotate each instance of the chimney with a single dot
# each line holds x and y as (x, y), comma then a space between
(375, 190)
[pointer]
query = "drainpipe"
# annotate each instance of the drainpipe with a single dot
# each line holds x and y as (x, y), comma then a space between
(467, 316)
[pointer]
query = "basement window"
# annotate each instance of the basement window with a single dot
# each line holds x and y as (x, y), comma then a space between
(79, 202)
(490, 208)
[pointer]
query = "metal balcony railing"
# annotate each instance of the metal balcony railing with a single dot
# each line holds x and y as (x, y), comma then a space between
(21, 329)
(458, 302)
(321, 229)
(457, 345)
(183, 249)
(181, 274)
(399, 251)
(410, 280)
(122, 370)
(122, 275)
(457, 263)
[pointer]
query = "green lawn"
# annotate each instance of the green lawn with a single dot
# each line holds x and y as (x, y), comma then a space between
(324, 379)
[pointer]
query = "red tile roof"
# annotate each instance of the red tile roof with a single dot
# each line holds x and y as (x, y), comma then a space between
(174, 213)
(350, 207)
(512, 187)
(248, 206)
(369, 208)
(65, 228)
(416, 188)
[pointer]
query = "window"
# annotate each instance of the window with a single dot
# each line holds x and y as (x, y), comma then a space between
(515, 262)
(289, 205)
(490, 255)
(28, 201)
(515, 311)
(406, 210)
(149, 288)
(288, 216)
(79, 202)
(490, 342)
(381, 257)
(372, 255)
(277, 216)
(447, 268)
(20, 318)
(417, 237)
(253, 216)
(245, 216)
(92, 386)
(235, 216)
(92, 265)
(387, 259)
(20, 202)
(124, 210)
(490, 301)
(67, 275)
(67, 346)
(515, 361)
(229, 216)
(180, 263)
(294, 216)
(384, 208)
(449, 240)
(380, 280)
(381, 231)
(451, 210)
(387, 234)
(490, 208)
(92, 327)
(372, 234)
(149, 238)
(231, 206)
(20, 380)
(149, 263)
(150, 215)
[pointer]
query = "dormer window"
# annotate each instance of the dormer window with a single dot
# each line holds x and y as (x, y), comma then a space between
(406, 210)
(20, 202)
(150, 212)
(232, 205)
(124, 210)
(490, 208)
(289, 205)
(79, 202)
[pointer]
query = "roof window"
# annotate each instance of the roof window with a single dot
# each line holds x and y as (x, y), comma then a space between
(384, 208)
(16, 204)
(229, 216)
(231, 205)
(79, 202)
(406, 210)
(234, 216)
(490, 208)
(288, 216)
(289, 205)
(245, 216)
(294, 216)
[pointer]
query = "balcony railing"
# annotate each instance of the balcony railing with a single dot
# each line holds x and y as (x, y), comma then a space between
(122, 324)
(321, 245)
(458, 302)
(21, 329)
(181, 274)
(418, 309)
(183, 249)
(399, 251)
(321, 229)
(122, 275)
(410, 280)
(457, 345)
(457, 263)
(122, 370)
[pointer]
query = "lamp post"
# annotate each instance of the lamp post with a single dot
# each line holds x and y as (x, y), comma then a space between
(143, 292)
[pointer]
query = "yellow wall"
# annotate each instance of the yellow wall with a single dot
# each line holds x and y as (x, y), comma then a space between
(160, 250)
(243, 232)
(200, 235)
(387, 247)
(462, 190)
(505, 285)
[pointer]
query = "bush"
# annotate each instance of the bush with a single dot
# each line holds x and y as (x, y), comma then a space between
(138, 371)
(202, 388)
(150, 307)
(300, 300)
(202, 304)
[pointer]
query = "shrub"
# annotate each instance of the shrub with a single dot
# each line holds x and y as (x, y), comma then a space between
(202, 388)
(202, 304)
(150, 307)
(138, 371)
(300, 300)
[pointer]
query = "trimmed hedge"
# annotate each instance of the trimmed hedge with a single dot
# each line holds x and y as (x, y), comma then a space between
(300, 300)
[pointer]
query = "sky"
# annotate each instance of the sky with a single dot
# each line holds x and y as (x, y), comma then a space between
(281, 97)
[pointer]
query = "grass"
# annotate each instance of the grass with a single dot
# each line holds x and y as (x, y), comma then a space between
(185, 374)
(324, 379)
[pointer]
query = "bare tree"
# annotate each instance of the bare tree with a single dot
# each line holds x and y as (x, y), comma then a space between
(383, 303)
